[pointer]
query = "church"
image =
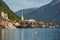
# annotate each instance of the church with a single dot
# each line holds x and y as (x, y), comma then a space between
(27, 23)
(31, 23)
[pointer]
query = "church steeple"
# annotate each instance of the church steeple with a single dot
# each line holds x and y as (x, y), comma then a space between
(22, 17)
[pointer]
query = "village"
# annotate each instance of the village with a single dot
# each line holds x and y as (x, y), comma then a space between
(5, 22)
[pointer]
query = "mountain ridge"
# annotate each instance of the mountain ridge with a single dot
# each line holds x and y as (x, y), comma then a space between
(25, 11)
(47, 13)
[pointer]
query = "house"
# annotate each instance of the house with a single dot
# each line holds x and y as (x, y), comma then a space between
(4, 21)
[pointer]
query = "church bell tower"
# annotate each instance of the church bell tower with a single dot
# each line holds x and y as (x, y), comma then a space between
(22, 17)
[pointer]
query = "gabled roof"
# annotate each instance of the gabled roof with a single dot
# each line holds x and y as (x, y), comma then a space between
(2, 19)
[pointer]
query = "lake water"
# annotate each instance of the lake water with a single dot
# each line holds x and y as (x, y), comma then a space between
(30, 34)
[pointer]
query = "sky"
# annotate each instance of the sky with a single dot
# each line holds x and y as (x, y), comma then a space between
(16, 5)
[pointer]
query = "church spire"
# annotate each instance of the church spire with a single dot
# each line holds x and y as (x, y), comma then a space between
(22, 17)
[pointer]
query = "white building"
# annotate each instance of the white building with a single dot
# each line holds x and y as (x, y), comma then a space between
(30, 20)
(7, 23)
(4, 15)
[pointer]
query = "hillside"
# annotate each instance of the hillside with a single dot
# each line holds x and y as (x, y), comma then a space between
(5, 8)
(26, 11)
(47, 13)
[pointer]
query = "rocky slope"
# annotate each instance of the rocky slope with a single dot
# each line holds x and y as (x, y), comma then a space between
(5, 8)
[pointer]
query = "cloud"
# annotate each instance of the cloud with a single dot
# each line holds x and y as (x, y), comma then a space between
(15, 0)
(28, 3)
(23, 4)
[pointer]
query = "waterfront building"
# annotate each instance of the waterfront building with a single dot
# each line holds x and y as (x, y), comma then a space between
(26, 23)
(31, 23)
(5, 21)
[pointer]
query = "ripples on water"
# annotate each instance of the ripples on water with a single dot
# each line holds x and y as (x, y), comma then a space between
(30, 34)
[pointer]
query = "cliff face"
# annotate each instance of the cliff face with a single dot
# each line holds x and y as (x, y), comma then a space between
(47, 13)
(5, 8)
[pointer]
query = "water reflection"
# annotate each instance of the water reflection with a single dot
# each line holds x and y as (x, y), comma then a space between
(30, 34)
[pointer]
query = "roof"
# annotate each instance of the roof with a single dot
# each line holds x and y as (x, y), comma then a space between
(30, 20)
(2, 19)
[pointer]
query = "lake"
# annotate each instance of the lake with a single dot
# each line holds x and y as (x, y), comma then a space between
(30, 34)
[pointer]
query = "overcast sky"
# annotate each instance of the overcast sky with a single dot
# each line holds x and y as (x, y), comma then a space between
(16, 5)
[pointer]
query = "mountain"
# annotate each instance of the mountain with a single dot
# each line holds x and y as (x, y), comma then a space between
(5, 8)
(26, 11)
(47, 13)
